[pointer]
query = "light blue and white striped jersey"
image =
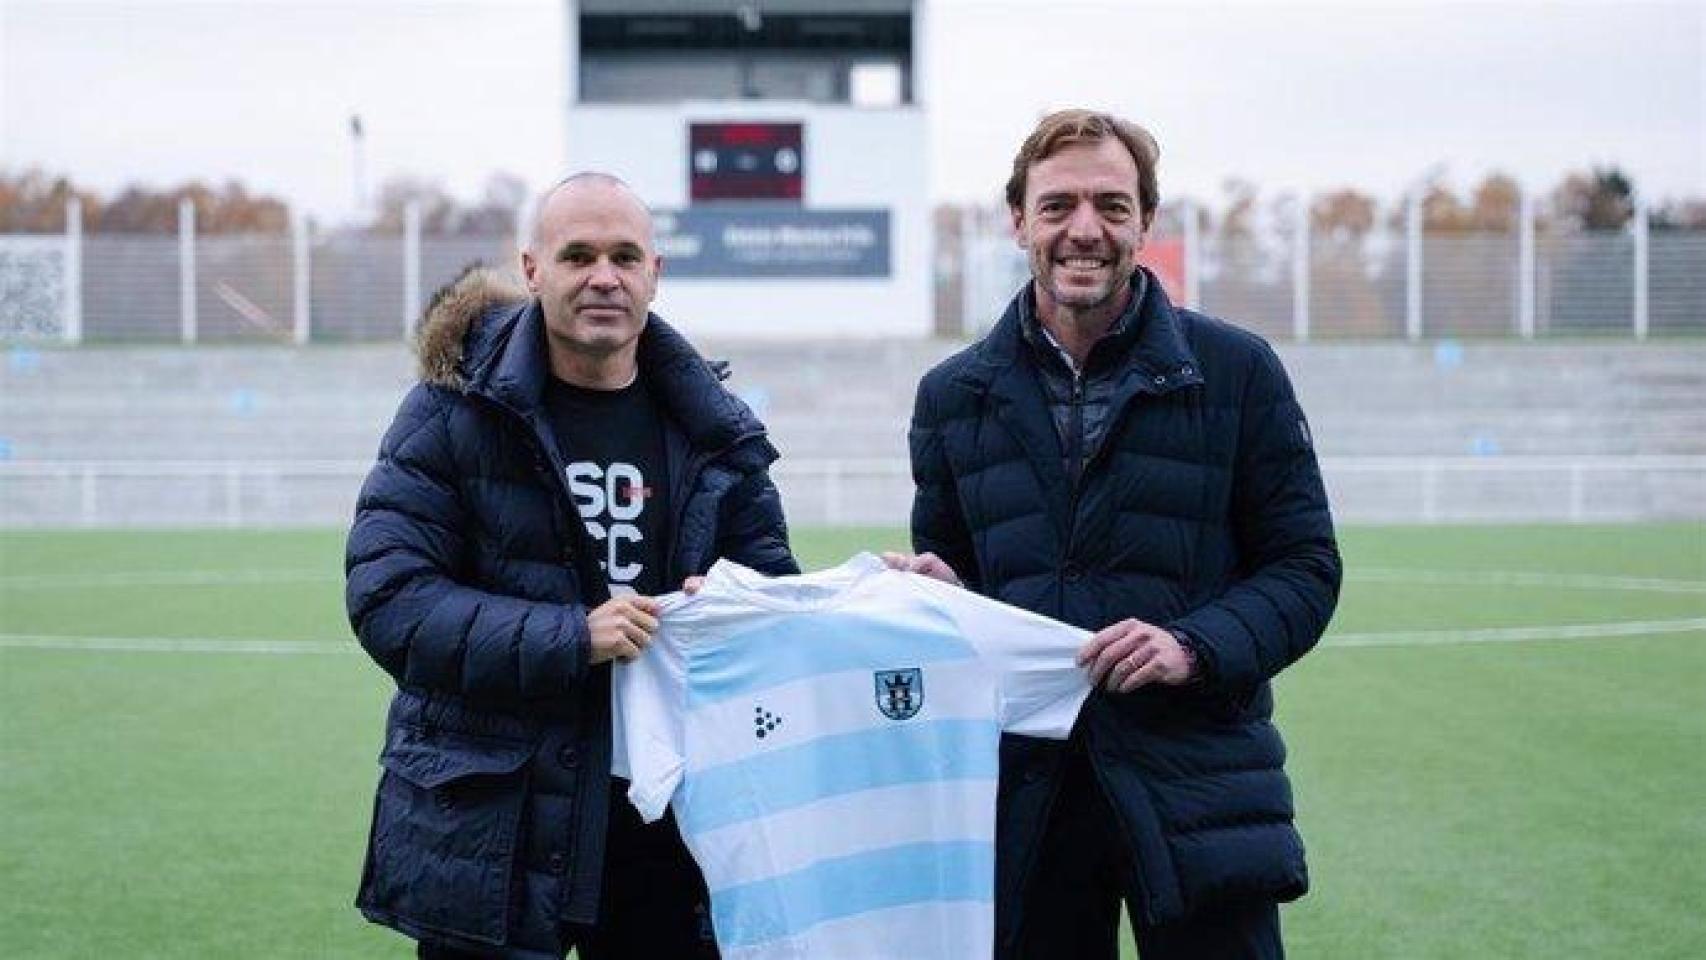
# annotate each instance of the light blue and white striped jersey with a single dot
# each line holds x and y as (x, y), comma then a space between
(830, 745)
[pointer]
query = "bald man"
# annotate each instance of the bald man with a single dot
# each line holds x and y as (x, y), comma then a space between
(566, 456)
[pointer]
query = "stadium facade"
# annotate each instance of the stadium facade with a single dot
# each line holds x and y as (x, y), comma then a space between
(782, 146)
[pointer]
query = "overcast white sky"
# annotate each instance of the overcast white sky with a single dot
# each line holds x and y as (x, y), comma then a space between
(1286, 95)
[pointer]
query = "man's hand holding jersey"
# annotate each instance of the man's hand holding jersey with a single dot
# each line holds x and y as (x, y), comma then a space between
(1122, 657)
(621, 627)
(928, 564)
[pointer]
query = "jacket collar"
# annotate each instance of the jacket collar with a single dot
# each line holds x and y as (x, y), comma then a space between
(483, 334)
(1157, 354)
(1104, 354)
(1158, 360)
(508, 360)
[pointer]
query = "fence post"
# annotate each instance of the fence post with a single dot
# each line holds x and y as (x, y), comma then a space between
(186, 271)
(1640, 226)
(302, 278)
(1525, 266)
(1193, 255)
(73, 306)
(1300, 272)
(411, 266)
(1413, 264)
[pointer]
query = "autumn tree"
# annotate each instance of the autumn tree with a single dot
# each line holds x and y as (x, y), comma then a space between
(34, 202)
(223, 210)
(1495, 203)
(1343, 274)
(1602, 199)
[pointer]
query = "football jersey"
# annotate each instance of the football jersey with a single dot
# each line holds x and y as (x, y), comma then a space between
(830, 744)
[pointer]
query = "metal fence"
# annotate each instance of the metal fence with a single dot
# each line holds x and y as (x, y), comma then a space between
(864, 492)
(293, 287)
(1289, 282)
(1284, 281)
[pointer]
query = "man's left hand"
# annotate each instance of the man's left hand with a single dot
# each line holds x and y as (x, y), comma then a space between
(691, 585)
(1131, 653)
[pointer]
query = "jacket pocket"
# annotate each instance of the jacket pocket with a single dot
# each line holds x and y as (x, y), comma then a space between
(446, 827)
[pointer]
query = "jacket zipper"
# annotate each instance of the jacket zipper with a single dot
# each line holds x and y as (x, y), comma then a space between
(1078, 484)
(1077, 429)
(696, 465)
(541, 456)
(579, 830)
(1088, 462)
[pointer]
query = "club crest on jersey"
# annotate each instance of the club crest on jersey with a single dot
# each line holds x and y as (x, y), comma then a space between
(900, 693)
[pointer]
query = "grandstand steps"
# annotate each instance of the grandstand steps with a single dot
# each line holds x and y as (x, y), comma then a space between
(852, 400)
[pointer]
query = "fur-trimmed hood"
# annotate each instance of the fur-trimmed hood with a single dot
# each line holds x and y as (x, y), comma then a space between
(483, 333)
(440, 342)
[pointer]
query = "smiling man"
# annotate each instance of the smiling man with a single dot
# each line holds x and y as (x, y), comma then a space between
(1107, 459)
(566, 456)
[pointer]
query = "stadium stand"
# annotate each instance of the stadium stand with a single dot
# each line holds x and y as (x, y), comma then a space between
(280, 436)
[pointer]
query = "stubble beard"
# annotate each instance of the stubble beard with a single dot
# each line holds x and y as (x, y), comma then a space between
(1079, 301)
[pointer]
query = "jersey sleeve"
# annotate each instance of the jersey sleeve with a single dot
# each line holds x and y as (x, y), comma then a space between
(1035, 658)
(648, 703)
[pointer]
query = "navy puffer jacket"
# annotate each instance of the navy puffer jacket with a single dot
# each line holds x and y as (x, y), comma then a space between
(469, 579)
(1202, 511)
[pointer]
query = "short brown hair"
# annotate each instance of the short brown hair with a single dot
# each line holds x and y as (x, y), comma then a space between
(1065, 127)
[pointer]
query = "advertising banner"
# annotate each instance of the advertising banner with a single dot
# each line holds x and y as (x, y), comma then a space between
(748, 242)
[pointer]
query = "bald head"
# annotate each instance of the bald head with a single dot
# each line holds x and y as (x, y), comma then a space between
(592, 261)
(587, 187)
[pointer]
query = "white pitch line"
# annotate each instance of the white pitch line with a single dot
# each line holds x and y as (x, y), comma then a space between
(1397, 575)
(35, 641)
(1582, 631)
(168, 578)
(1509, 578)
(1392, 638)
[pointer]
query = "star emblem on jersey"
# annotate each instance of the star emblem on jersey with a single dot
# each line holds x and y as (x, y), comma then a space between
(764, 722)
(900, 693)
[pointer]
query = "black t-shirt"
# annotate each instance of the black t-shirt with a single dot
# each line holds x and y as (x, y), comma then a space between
(617, 472)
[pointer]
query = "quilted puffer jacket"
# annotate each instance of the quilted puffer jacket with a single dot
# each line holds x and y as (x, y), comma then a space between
(1202, 510)
(470, 576)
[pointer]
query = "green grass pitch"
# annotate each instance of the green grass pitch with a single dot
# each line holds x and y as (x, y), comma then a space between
(1499, 751)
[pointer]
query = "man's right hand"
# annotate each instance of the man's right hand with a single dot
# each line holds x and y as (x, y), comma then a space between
(622, 627)
(928, 564)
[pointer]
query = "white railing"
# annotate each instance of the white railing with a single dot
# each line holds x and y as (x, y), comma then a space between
(837, 492)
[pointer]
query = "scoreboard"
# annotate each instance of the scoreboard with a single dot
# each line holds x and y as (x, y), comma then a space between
(746, 160)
